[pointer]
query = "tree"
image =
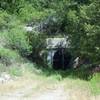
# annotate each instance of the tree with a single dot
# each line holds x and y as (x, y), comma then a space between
(11, 5)
(82, 25)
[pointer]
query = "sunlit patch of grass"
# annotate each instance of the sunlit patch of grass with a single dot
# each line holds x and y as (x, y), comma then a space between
(15, 71)
(95, 84)
(2, 68)
(91, 87)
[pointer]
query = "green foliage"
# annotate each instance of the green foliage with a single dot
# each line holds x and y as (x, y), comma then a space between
(4, 19)
(17, 40)
(3, 40)
(15, 71)
(90, 42)
(8, 56)
(41, 4)
(83, 1)
(28, 12)
(79, 19)
(38, 43)
(11, 6)
(95, 84)
(81, 22)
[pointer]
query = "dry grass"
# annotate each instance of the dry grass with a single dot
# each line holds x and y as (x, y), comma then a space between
(32, 84)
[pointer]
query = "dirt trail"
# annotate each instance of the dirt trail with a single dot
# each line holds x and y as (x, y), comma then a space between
(23, 90)
(50, 94)
(57, 93)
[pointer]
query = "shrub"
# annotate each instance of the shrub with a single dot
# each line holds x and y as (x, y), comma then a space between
(15, 71)
(28, 13)
(3, 40)
(11, 6)
(37, 41)
(4, 19)
(8, 56)
(17, 39)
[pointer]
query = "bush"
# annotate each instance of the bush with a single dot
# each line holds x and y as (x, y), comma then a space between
(3, 40)
(4, 19)
(37, 41)
(28, 12)
(11, 6)
(15, 71)
(8, 56)
(17, 40)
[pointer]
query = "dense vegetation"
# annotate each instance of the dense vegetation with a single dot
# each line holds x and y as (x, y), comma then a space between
(78, 19)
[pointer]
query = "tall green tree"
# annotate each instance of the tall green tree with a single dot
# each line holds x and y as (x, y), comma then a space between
(81, 22)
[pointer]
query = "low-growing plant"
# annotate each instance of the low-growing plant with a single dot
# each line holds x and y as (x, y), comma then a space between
(15, 71)
(8, 56)
(95, 84)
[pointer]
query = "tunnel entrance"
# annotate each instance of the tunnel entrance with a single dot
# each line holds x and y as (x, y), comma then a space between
(61, 59)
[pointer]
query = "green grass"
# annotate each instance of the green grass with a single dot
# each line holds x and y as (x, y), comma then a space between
(8, 56)
(95, 84)
(15, 71)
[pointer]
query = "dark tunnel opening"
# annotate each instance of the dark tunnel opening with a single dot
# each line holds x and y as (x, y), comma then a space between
(61, 60)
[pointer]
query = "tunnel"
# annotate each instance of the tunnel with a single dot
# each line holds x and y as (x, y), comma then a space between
(61, 60)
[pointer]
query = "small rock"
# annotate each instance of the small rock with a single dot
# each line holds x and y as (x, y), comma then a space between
(5, 76)
(2, 80)
(28, 28)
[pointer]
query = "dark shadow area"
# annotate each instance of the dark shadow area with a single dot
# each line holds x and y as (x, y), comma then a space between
(62, 67)
(61, 60)
(83, 73)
